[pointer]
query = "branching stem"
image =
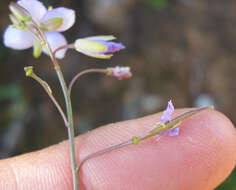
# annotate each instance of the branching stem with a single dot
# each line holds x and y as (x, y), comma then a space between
(49, 92)
(67, 98)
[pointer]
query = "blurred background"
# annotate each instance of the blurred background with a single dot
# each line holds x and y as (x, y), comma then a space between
(182, 50)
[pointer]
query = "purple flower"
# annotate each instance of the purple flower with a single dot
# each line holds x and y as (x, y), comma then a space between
(119, 72)
(98, 46)
(52, 22)
(173, 132)
(166, 117)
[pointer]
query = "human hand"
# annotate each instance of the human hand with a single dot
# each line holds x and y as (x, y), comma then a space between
(199, 158)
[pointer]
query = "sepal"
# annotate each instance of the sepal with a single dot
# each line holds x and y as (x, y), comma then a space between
(19, 12)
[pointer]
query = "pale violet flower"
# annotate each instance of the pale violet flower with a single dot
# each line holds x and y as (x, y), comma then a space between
(98, 46)
(21, 39)
(166, 117)
(119, 72)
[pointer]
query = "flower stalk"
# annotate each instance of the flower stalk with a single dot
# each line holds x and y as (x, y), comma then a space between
(70, 129)
(75, 78)
(30, 73)
(118, 72)
(70, 122)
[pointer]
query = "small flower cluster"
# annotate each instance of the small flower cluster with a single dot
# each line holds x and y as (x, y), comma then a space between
(23, 34)
(33, 25)
(30, 18)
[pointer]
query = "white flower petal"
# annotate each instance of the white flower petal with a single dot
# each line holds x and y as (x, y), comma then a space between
(17, 39)
(68, 16)
(35, 8)
(56, 40)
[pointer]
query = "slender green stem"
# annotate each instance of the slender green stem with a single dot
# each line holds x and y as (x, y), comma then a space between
(49, 92)
(70, 128)
(67, 98)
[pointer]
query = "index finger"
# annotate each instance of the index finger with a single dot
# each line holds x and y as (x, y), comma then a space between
(201, 157)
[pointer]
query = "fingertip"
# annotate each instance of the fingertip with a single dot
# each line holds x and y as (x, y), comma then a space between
(201, 157)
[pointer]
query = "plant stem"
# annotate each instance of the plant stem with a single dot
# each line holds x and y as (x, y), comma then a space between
(109, 149)
(82, 73)
(158, 128)
(70, 129)
(67, 98)
(67, 46)
(48, 91)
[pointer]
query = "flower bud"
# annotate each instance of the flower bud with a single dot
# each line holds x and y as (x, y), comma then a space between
(119, 72)
(19, 12)
(98, 46)
(29, 71)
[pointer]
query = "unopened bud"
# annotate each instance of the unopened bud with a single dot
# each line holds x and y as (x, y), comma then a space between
(90, 46)
(98, 46)
(29, 71)
(19, 12)
(119, 72)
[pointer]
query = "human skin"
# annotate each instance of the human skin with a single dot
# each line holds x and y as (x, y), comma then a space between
(199, 158)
